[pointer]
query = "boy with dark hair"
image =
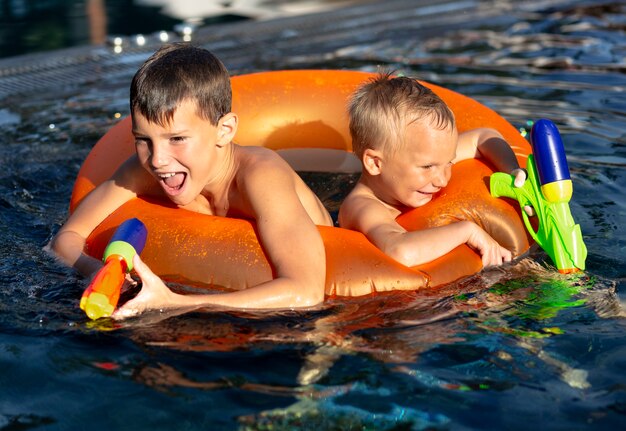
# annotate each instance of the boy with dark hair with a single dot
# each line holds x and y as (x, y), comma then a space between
(180, 102)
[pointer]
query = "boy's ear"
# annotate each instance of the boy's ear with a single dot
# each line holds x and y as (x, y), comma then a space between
(226, 129)
(372, 161)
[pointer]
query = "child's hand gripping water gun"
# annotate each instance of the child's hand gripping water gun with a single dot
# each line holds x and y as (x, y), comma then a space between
(101, 296)
(548, 189)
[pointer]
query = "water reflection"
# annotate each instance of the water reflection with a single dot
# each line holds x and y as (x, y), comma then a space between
(36, 26)
(27, 26)
(525, 340)
(491, 333)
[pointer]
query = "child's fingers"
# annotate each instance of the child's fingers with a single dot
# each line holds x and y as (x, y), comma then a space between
(496, 256)
(143, 271)
(129, 283)
(520, 177)
(490, 258)
(138, 263)
(125, 312)
(507, 256)
(154, 293)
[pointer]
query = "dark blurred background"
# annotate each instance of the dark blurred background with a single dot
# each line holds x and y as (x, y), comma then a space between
(28, 26)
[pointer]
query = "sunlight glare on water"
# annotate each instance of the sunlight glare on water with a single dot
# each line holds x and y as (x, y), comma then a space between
(521, 344)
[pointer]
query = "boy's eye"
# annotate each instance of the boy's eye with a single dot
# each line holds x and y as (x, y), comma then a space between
(141, 141)
(177, 139)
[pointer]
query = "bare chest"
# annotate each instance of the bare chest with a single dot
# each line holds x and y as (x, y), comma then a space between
(227, 205)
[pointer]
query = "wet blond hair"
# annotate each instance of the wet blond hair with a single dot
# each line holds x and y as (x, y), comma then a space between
(382, 108)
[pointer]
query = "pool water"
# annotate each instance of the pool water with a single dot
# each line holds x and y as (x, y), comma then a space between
(508, 348)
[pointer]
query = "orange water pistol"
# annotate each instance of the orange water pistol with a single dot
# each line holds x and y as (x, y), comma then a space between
(101, 296)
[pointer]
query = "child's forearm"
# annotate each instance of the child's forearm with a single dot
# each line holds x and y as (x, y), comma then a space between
(279, 293)
(276, 294)
(422, 246)
(417, 247)
(496, 150)
(68, 247)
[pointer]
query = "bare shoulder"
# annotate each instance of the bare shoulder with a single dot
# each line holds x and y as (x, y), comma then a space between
(269, 184)
(261, 166)
(251, 157)
(362, 207)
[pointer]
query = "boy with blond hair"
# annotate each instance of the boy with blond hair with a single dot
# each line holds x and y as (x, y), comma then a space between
(406, 139)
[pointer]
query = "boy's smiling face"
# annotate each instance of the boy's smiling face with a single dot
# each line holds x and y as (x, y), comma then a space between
(417, 170)
(181, 155)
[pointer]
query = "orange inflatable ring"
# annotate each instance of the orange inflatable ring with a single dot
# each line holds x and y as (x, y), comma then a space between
(306, 109)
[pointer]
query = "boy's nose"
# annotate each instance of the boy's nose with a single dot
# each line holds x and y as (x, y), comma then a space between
(159, 157)
(442, 176)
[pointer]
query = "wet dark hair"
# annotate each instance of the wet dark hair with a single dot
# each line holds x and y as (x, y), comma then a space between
(178, 72)
(382, 108)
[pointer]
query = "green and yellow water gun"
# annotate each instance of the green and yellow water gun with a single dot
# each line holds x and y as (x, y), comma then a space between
(548, 189)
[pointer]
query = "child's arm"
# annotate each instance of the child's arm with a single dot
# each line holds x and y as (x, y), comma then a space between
(377, 222)
(489, 143)
(289, 238)
(68, 244)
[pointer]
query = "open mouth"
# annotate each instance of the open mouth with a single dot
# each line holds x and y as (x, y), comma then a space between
(172, 182)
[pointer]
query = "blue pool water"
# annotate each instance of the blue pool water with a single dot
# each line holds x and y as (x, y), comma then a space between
(509, 348)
